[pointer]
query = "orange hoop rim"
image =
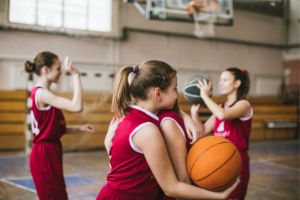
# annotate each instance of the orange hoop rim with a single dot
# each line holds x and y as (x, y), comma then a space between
(192, 5)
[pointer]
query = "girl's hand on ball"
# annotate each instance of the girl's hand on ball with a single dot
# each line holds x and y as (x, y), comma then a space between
(229, 190)
(69, 68)
(205, 88)
(88, 127)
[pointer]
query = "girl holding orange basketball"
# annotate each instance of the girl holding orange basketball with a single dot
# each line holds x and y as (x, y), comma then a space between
(138, 156)
(231, 120)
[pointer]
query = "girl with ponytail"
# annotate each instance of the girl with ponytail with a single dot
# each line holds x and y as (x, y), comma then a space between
(48, 124)
(139, 160)
(231, 120)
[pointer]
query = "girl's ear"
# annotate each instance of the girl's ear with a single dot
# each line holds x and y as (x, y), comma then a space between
(157, 93)
(44, 70)
(237, 83)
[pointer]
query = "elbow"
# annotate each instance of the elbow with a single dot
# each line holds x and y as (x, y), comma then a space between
(221, 116)
(169, 191)
(78, 109)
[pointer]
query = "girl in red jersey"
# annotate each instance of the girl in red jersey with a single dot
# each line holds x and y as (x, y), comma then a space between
(48, 124)
(138, 156)
(176, 140)
(177, 143)
(231, 120)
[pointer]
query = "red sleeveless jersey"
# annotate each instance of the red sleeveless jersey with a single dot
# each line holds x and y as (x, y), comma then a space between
(171, 115)
(46, 123)
(236, 130)
(130, 173)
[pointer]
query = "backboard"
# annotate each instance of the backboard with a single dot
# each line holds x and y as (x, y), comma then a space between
(178, 10)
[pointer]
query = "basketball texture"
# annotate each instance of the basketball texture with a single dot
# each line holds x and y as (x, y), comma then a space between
(191, 92)
(214, 163)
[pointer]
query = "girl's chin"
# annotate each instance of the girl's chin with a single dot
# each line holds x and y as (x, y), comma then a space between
(224, 93)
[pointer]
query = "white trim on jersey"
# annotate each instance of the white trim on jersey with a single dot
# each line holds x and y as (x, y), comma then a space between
(36, 103)
(145, 111)
(135, 148)
(176, 124)
(251, 111)
(39, 85)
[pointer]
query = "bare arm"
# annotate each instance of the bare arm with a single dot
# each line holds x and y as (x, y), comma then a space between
(191, 128)
(240, 109)
(85, 128)
(74, 105)
(209, 124)
(176, 147)
(150, 141)
(111, 133)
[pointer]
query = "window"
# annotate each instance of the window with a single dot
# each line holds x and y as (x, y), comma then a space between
(93, 15)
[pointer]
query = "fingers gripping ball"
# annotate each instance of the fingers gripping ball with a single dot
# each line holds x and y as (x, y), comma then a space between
(191, 92)
(214, 163)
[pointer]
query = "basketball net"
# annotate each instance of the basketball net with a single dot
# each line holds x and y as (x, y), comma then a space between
(204, 24)
(204, 14)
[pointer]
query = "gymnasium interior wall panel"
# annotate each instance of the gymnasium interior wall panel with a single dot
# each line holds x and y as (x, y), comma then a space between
(247, 26)
(293, 25)
(188, 55)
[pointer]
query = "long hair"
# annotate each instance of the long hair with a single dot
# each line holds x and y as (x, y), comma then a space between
(44, 58)
(150, 74)
(243, 76)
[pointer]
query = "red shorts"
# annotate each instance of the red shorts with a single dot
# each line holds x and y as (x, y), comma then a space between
(241, 190)
(47, 172)
(107, 193)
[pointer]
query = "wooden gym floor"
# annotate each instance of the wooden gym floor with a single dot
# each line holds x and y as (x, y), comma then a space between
(274, 173)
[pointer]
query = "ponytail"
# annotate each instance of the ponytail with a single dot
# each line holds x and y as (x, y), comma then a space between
(44, 58)
(121, 95)
(133, 84)
(243, 76)
(29, 67)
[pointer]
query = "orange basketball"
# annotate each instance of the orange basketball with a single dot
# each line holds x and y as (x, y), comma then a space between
(214, 163)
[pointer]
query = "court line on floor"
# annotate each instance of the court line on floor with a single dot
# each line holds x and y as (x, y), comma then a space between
(13, 157)
(17, 185)
(285, 158)
(7, 180)
(275, 164)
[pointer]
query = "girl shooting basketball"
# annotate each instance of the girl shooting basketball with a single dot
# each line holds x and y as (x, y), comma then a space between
(48, 124)
(231, 120)
(138, 157)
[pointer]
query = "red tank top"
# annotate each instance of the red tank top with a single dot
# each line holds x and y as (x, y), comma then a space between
(47, 124)
(164, 115)
(169, 114)
(130, 173)
(236, 130)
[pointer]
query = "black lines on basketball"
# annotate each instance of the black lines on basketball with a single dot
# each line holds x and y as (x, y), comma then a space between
(218, 167)
(229, 183)
(205, 152)
(213, 163)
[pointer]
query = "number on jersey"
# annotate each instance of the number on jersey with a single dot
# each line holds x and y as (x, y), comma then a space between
(34, 124)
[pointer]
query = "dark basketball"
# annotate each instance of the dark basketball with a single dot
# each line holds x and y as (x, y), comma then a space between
(191, 92)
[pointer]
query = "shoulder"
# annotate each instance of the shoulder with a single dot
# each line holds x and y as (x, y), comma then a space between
(243, 103)
(148, 130)
(45, 94)
(167, 113)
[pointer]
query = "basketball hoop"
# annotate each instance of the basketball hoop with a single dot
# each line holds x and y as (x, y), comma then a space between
(204, 11)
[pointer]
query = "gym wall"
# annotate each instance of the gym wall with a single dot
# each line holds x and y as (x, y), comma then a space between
(252, 43)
